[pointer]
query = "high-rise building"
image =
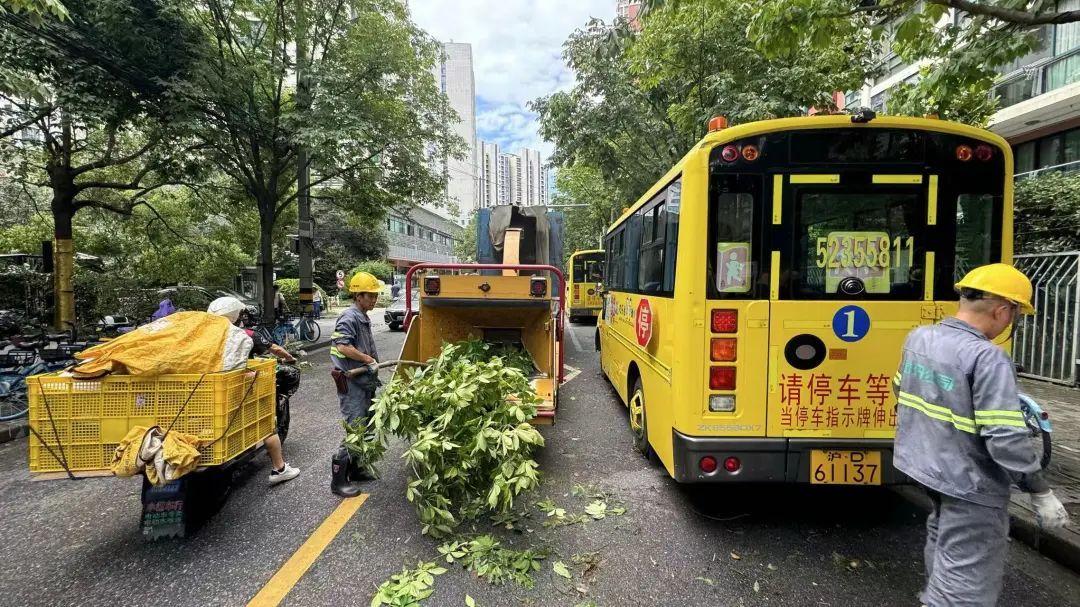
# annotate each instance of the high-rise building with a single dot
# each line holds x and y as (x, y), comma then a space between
(522, 179)
(489, 174)
(454, 74)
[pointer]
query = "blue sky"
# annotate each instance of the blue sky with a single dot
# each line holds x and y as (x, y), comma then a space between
(517, 56)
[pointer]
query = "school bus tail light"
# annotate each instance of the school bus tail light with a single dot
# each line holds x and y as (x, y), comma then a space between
(723, 349)
(722, 403)
(577, 291)
(707, 464)
(722, 378)
(732, 464)
(725, 321)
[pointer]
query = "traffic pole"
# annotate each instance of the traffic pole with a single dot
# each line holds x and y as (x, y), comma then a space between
(305, 229)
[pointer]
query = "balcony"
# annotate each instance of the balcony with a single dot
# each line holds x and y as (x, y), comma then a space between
(1042, 76)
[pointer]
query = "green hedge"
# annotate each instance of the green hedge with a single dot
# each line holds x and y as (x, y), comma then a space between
(290, 288)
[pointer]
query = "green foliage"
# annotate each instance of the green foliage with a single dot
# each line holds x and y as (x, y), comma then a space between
(465, 247)
(376, 267)
(642, 100)
(408, 588)
(1048, 213)
(488, 559)
(961, 56)
(290, 288)
(466, 417)
(36, 11)
(582, 184)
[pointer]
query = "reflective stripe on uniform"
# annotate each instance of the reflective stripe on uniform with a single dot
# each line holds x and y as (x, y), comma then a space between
(964, 424)
(336, 335)
(335, 352)
(1000, 418)
(896, 378)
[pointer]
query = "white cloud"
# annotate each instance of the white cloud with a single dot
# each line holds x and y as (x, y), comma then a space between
(517, 55)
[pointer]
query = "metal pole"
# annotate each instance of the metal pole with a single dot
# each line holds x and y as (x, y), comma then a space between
(305, 228)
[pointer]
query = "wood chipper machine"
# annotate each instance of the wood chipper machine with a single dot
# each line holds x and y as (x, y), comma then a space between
(513, 296)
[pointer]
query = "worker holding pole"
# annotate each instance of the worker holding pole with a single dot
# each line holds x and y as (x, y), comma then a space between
(962, 436)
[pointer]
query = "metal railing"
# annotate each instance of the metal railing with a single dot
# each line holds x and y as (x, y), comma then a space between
(1065, 167)
(1035, 79)
(1045, 344)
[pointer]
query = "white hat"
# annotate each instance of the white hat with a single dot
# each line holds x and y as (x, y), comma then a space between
(229, 307)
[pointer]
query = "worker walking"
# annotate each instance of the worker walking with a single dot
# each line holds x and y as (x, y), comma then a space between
(353, 348)
(961, 435)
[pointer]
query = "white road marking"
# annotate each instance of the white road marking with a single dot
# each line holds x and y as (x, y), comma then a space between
(574, 338)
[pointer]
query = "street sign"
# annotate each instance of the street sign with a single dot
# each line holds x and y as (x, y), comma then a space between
(341, 283)
(643, 322)
(340, 274)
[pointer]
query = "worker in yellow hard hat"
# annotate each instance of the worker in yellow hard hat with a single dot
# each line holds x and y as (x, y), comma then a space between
(962, 436)
(352, 347)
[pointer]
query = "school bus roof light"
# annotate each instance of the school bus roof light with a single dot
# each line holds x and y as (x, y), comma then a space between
(963, 153)
(730, 153)
(750, 153)
(717, 123)
(984, 152)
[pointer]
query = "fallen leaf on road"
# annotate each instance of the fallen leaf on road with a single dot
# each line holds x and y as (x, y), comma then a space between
(757, 587)
(736, 556)
(469, 601)
(771, 567)
(560, 569)
(706, 580)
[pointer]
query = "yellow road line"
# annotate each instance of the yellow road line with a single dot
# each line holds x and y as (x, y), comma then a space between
(290, 573)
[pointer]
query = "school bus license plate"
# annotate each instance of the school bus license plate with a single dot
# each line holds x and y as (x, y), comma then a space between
(828, 467)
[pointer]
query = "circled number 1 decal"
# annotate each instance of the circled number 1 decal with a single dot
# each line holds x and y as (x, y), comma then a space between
(851, 323)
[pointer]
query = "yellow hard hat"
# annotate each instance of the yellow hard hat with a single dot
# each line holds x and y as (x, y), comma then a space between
(1002, 280)
(362, 282)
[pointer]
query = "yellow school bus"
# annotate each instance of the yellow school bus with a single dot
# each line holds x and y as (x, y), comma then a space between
(756, 299)
(586, 269)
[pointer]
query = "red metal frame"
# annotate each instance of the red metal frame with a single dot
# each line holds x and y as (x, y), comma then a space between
(494, 266)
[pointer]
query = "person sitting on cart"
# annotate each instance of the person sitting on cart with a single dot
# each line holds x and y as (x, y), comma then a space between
(231, 308)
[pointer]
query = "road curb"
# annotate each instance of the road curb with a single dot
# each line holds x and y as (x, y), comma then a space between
(1060, 545)
(14, 430)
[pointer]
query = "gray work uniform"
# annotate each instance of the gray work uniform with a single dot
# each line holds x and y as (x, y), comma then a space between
(353, 328)
(961, 435)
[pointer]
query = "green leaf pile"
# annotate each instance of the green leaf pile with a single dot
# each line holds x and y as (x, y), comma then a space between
(487, 558)
(408, 588)
(466, 417)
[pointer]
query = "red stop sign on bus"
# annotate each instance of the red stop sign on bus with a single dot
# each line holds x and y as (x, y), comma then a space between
(643, 321)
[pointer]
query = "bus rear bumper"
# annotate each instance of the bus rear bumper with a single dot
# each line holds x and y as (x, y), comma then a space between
(768, 460)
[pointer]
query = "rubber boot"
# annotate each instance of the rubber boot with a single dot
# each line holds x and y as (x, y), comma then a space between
(340, 484)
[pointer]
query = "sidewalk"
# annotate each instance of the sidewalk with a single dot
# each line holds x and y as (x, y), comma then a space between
(1063, 474)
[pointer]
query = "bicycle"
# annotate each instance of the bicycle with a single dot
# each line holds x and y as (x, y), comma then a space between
(307, 329)
(15, 366)
(285, 332)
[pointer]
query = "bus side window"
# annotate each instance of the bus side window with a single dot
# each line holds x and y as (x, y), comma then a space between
(734, 213)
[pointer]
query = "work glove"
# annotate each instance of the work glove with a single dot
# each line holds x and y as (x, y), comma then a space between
(1048, 510)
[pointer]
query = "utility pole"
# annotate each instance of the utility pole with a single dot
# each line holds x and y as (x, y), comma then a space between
(305, 228)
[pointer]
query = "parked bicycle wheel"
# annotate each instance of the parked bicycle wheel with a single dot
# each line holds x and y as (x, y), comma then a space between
(308, 329)
(285, 333)
(13, 406)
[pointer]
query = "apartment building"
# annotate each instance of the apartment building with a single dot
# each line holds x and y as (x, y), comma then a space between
(1039, 98)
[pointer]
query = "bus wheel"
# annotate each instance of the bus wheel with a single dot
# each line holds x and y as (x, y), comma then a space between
(638, 422)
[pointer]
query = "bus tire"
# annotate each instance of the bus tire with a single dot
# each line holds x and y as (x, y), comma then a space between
(639, 423)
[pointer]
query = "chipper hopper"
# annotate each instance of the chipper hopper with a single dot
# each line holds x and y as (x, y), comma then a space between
(521, 308)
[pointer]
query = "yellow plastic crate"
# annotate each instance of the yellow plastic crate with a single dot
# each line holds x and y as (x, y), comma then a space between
(89, 417)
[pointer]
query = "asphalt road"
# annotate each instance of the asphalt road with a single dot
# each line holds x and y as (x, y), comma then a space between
(78, 542)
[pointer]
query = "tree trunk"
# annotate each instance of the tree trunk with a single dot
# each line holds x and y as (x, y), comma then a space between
(266, 266)
(63, 211)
